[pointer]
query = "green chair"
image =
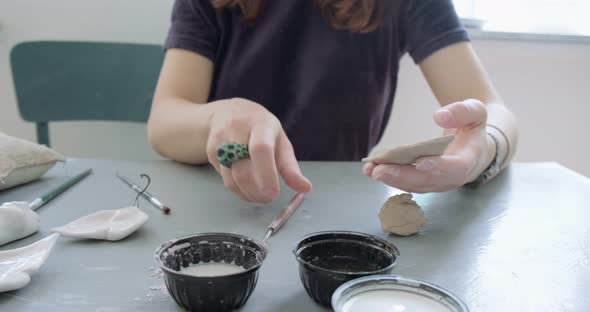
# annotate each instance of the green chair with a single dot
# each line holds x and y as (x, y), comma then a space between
(61, 81)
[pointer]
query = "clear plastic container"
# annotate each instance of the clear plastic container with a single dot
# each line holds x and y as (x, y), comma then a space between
(397, 293)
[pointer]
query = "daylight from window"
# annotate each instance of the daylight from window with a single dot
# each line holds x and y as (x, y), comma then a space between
(567, 17)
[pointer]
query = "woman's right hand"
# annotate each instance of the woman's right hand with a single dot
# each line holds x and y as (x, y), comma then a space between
(271, 154)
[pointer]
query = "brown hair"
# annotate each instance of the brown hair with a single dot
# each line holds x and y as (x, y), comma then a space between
(361, 16)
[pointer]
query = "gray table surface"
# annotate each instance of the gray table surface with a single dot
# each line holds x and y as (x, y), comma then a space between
(521, 243)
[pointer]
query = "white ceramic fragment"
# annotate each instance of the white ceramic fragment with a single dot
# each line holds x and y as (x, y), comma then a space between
(407, 154)
(17, 265)
(401, 215)
(112, 225)
(17, 220)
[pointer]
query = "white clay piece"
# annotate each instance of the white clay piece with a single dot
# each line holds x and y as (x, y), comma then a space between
(408, 154)
(17, 265)
(401, 215)
(22, 161)
(17, 220)
(111, 225)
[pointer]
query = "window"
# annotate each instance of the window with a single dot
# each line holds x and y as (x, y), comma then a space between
(569, 17)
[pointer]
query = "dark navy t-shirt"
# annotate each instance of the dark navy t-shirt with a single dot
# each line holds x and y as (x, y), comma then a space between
(331, 89)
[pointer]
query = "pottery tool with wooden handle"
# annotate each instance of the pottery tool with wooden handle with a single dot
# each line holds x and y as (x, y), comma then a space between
(283, 216)
(49, 196)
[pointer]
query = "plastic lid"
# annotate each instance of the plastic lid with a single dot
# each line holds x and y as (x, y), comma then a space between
(393, 293)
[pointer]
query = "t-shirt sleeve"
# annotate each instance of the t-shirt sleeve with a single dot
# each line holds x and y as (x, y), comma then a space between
(430, 25)
(194, 27)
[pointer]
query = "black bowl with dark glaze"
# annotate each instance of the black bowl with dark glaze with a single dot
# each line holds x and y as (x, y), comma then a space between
(211, 293)
(330, 259)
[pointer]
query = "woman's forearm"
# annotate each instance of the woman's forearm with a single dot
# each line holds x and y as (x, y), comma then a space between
(470, 81)
(179, 129)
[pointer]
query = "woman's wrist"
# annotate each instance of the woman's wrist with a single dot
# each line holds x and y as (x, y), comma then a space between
(492, 167)
(503, 144)
(493, 150)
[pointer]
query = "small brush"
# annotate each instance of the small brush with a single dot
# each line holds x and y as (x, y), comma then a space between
(154, 201)
(283, 216)
(49, 196)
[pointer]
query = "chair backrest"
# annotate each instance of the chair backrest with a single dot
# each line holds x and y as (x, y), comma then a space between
(62, 80)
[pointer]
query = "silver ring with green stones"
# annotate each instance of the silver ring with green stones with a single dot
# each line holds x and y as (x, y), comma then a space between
(229, 152)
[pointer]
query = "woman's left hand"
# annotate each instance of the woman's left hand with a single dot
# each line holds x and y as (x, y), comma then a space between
(465, 159)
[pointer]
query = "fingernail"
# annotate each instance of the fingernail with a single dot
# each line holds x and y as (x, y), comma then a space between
(366, 170)
(445, 115)
(383, 177)
(425, 165)
(389, 175)
(310, 186)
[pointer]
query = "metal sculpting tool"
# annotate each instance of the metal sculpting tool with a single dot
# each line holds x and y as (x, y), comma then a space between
(154, 201)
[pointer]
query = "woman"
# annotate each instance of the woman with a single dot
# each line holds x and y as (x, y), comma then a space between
(315, 80)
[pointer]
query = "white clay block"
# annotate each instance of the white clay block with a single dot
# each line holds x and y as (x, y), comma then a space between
(407, 154)
(401, 215)
(17, 220)
(112, 225)
(17, 265)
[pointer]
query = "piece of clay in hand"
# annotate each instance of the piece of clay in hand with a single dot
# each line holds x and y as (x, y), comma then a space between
(407, 154)
(401, 215)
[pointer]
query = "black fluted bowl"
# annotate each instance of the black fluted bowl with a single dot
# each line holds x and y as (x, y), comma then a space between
(211, 293)
(330, 259)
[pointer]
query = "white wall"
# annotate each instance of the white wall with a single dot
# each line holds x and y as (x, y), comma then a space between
(141, 21)
(544, 83)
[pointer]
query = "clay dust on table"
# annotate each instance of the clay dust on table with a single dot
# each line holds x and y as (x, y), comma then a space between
(157, 289)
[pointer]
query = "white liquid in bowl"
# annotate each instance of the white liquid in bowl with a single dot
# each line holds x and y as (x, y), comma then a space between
(392, 301)
(212, 269)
